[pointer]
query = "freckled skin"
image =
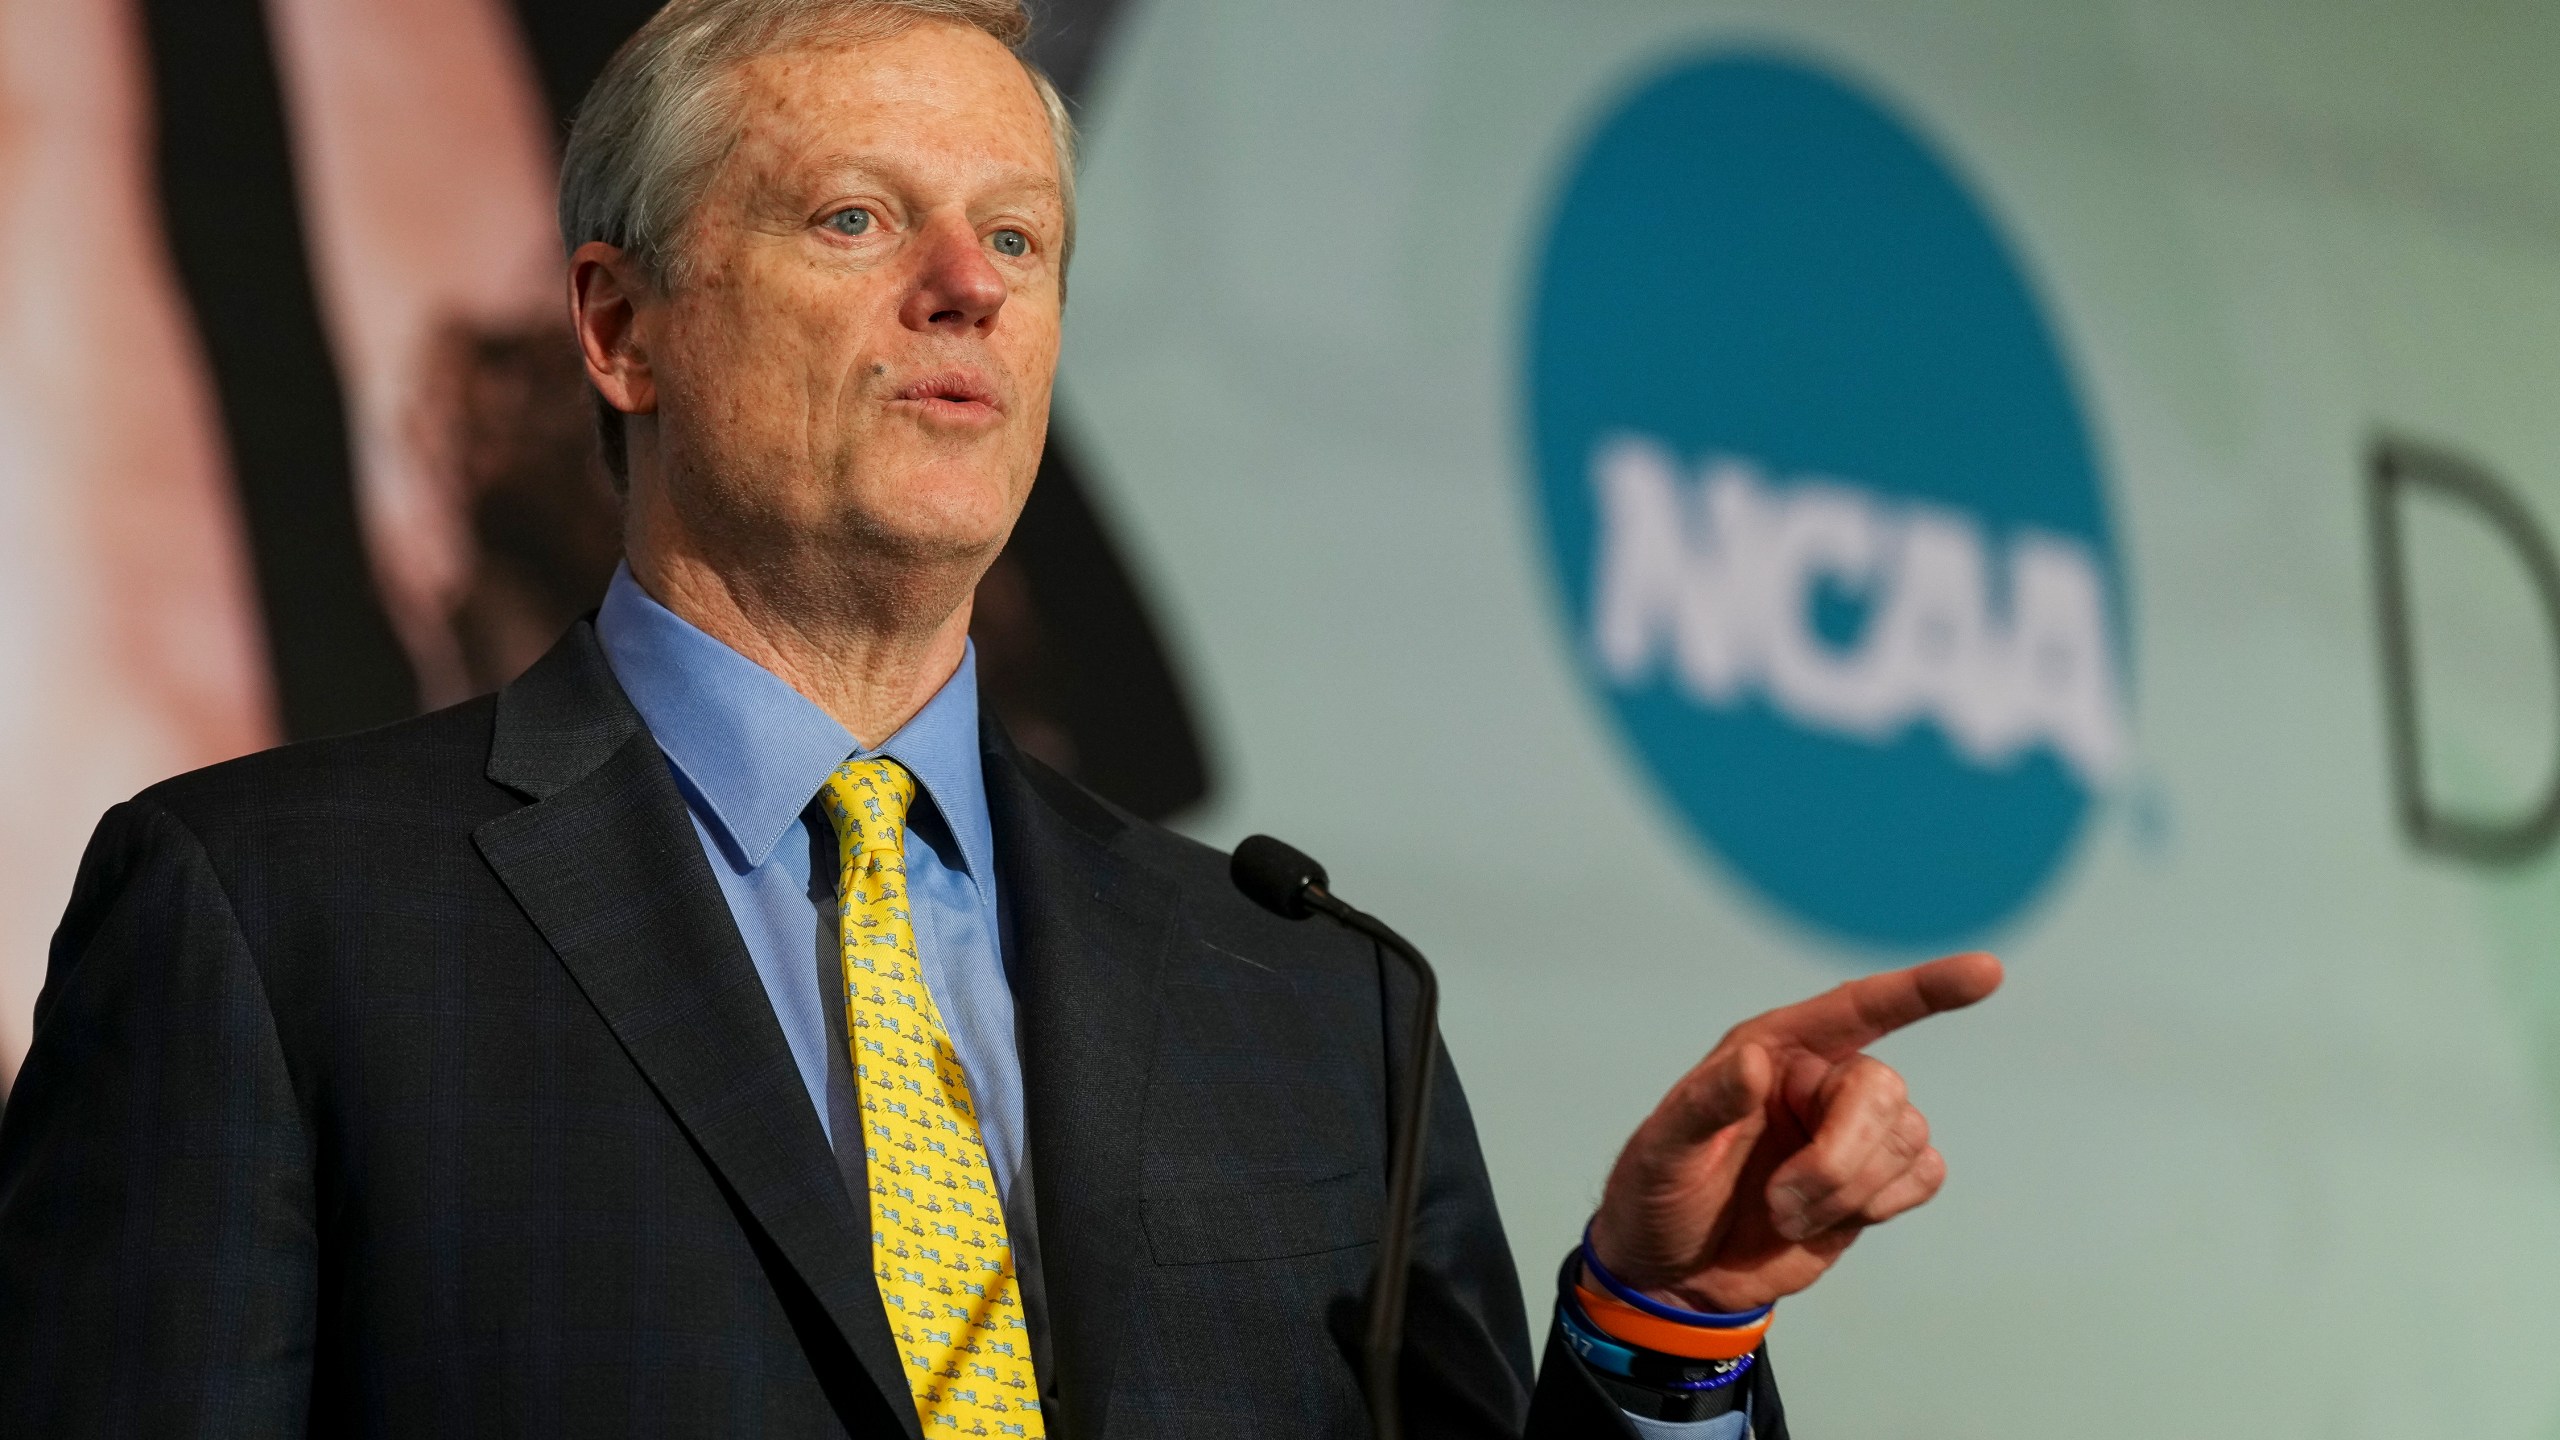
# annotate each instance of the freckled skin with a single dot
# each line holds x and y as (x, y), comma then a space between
(788, 498)
(792, 335)
(784, 495)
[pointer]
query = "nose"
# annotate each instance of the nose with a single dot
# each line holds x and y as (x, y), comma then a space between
(957, 288)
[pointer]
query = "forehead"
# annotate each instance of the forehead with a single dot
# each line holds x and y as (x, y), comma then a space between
(947, 97)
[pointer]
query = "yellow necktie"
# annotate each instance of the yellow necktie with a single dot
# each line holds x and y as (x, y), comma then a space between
(938, 1242)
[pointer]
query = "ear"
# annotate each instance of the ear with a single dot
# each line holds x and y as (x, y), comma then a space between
(606, 292)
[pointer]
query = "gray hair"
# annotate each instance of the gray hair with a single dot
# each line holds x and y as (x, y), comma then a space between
(652, 132)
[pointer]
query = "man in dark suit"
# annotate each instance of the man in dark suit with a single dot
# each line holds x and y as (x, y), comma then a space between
(643, 1050)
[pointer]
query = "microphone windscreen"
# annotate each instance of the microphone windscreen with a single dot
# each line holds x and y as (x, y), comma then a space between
(1275, 875)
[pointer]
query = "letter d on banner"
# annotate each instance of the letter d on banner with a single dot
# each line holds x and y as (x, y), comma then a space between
(2394, 470)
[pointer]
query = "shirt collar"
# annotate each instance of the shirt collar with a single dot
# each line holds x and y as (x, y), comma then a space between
(753, 752)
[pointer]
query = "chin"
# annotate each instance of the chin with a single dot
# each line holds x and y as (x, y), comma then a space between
(942, 513)
(929, 534)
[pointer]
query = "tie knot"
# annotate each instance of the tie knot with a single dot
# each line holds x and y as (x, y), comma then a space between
(868, 801)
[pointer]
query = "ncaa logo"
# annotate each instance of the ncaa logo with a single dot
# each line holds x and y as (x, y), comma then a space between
(1822, 507)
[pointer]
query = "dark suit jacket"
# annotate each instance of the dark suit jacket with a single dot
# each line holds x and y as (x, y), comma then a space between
(418, 1082)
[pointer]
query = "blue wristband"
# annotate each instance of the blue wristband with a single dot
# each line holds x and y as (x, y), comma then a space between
(1703, 1319)
(1609, 1356)
(1740, 1368)
(1597, 1351)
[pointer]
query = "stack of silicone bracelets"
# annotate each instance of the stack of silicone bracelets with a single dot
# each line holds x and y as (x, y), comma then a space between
(1623, 1331)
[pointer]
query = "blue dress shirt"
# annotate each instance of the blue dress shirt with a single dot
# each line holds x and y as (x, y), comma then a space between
(749, 754)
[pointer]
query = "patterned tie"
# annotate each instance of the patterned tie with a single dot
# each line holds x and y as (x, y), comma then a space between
(938, 1242)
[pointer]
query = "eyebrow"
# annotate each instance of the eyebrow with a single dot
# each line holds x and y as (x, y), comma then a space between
(869, 162)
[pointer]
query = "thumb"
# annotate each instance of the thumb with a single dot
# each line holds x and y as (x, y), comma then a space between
(1722, 1090)
(1669, 1190)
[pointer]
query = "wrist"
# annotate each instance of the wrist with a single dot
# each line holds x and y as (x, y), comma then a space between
(1598, 1277)
(1642, 1381)
(1589, 1276)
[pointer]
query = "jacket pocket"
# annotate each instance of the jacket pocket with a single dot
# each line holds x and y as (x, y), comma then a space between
(1204, 1224)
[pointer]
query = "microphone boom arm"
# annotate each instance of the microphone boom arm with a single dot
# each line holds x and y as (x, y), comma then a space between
(1291, 885)
(1384, 1345)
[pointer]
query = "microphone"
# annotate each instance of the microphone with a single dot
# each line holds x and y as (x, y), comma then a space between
(1289, 883)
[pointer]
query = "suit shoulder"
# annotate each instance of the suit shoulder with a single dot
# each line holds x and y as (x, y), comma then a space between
(1185, 861)
(1198, 872)
(432, 763)
(1197, 869)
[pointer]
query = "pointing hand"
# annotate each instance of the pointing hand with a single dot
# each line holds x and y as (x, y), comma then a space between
(1765, 1162)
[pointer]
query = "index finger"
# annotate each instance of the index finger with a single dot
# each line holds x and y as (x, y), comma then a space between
(1847, 1018)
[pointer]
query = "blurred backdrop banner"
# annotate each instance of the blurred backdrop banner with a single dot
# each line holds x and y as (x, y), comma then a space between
(1871, 480)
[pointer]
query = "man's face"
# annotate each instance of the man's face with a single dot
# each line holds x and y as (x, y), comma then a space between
(862, 351)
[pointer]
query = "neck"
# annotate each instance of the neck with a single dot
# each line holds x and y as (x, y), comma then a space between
(868, 649)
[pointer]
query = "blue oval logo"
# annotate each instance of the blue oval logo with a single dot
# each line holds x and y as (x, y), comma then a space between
(1830, 537)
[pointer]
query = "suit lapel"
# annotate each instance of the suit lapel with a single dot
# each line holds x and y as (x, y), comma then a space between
(606, 863)
(1090, 932)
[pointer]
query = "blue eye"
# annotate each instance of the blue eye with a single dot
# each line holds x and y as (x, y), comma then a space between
(852, 220)
(1010, 242)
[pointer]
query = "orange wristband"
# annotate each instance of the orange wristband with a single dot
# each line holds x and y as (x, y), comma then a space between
(1621, 1321)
